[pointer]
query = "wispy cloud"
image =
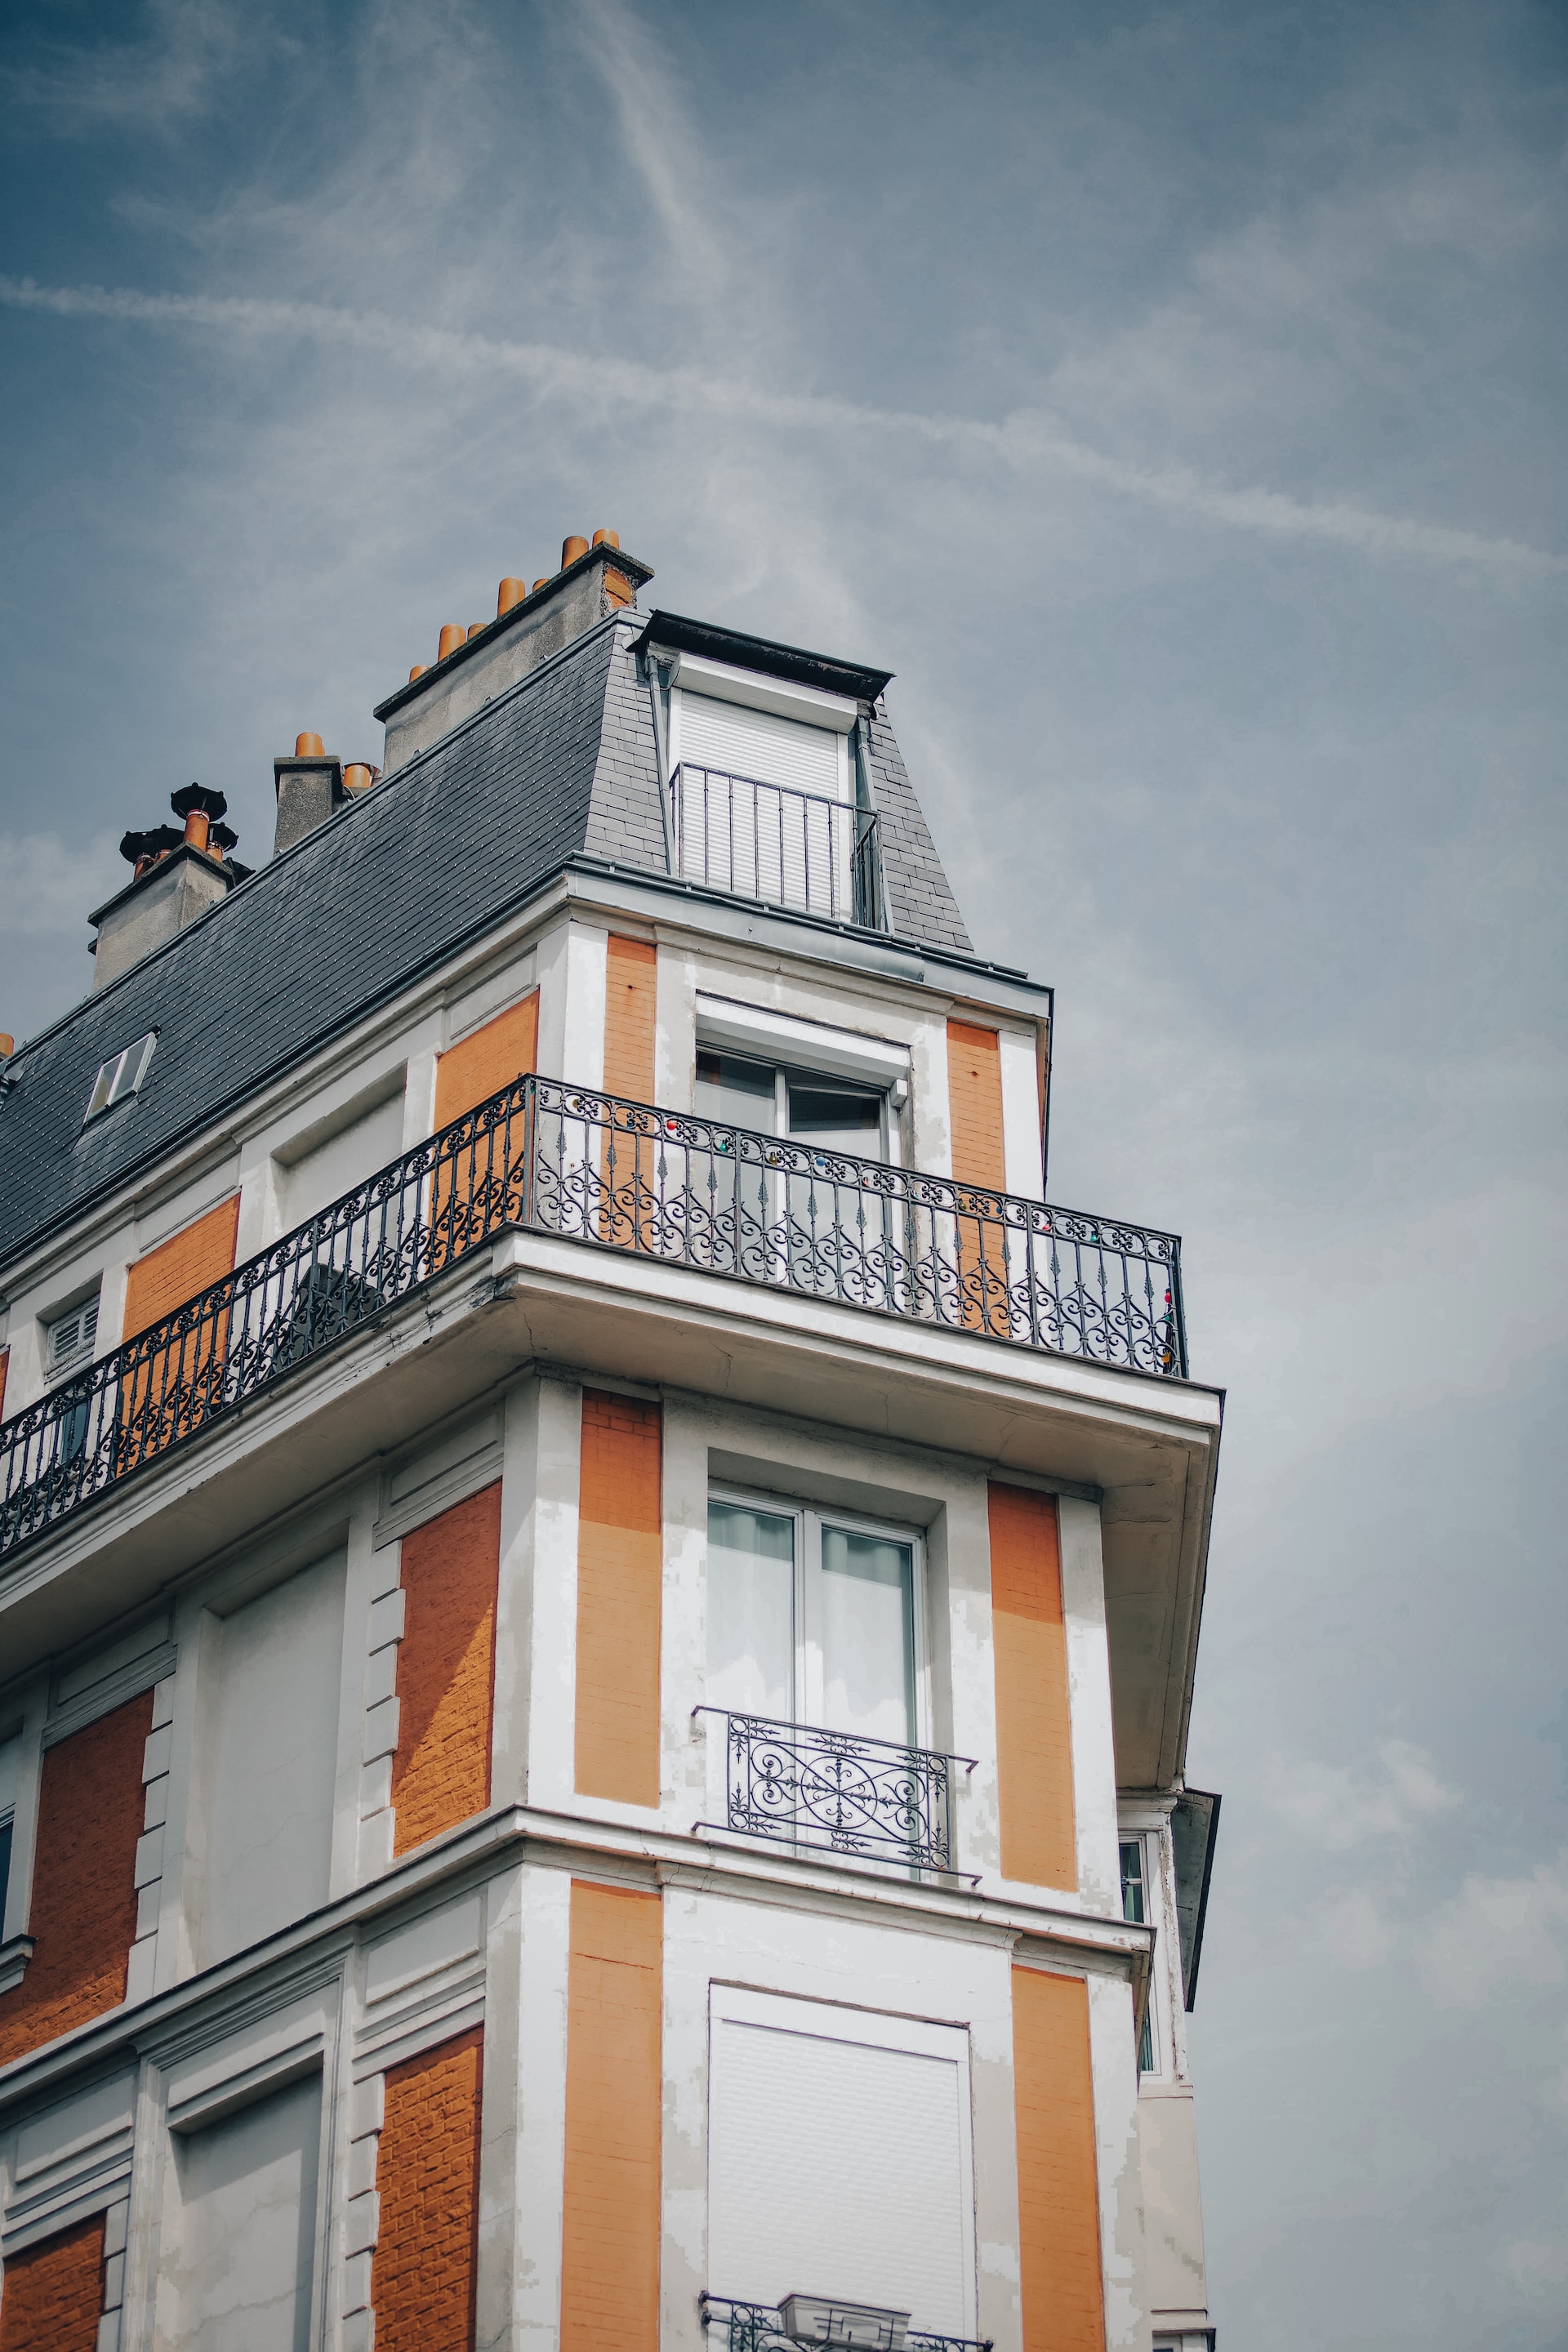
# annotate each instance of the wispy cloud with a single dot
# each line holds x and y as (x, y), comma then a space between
(166, 77)
(1341, 1805)
(1028, 441)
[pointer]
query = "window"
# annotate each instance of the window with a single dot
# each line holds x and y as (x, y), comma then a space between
(10, 1777)
(67, 1340)
(1135, 1907)
(830, 1114)
(120, 1076)
(764, 790)
(813, 1618)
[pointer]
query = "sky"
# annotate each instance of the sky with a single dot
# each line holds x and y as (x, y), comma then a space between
(1172, 397)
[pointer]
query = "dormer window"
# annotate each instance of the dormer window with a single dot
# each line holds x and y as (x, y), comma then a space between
(765, 796)
(121, 1075)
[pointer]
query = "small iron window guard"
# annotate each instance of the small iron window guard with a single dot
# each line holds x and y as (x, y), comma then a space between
(772, 841)
(760, 2328)
(833, 1791)
(587, 1168)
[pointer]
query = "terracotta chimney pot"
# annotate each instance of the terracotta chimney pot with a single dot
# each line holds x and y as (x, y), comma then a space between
(307, 747)
(570, 549)
(476, 627)
(607, 539)
(538, 585)
(452, 635)
(509, 592)
(417, 671)
(7, 1046)
(356, 777)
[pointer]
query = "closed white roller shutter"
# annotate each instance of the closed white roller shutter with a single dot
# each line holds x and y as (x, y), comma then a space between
(839, 2166)
(757, 743)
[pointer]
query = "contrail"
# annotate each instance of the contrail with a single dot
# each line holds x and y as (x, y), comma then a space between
(1030, 440)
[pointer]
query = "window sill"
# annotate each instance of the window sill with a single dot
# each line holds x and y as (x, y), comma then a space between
(13, 1957)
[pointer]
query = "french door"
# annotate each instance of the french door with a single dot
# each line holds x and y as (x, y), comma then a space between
(814, 1617)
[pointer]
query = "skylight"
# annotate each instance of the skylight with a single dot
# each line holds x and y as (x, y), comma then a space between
(121, 1075)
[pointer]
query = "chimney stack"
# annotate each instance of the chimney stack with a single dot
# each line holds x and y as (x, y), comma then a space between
(309, 787)
(473, 666)
(176, 876)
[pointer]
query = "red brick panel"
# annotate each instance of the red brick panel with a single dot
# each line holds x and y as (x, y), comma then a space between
(424, 2270)
(83, 1912)
(446, 1670)
(1058, 2193)
(619, 1570)
(53, 2294)
(609, 2245)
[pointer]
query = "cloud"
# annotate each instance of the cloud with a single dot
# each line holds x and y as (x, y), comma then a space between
(1028, 441)
(1357, 1930)
(1495, 1932)
(1339, 1805)
(149, 85)
(47, 884)
(1537, 2269)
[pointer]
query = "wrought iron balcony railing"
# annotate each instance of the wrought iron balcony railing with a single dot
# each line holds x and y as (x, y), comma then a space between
(658, 1185)
(771, 841)
(833, 1791)
(760, 2328)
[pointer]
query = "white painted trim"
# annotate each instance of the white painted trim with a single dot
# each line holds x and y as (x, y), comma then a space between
(810, 704)
(438, 1495)
(101, 1698)
(808, 1044)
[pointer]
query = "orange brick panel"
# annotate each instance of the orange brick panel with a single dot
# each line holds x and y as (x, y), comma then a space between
(619, 1570)
(631, 1002)
(428, 2176)
(609, 2248)
(1058, 2190)
(974, 1105)
(83, 1912)
(181, 1267)
(172, 1391)
(54, 2293)
(1034, 1714)
(446, 1670)
(504, 1049)
(5, 1367)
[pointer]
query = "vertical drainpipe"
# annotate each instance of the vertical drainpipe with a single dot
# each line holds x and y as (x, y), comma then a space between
(656, 692)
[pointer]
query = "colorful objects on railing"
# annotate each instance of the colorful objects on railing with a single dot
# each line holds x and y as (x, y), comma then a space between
(657, 1184)
(806, 1786)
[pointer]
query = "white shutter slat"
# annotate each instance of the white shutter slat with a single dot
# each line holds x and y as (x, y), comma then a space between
(837, 2168)
(757, 743)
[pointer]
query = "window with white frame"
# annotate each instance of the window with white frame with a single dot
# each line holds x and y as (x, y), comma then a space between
(1136, 1906)
(118, 1078)
(814, 1617)
(10, 1780)
(68, 1338)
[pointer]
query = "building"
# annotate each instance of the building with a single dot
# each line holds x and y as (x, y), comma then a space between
(599, 1601)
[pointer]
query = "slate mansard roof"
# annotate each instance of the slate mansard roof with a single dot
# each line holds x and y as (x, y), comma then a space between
(563, 765)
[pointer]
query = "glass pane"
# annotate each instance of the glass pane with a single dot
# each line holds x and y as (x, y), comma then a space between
(750, 1611)
(868, 1635)
(1132, 1881)
(846, 1118)
(739, 1093)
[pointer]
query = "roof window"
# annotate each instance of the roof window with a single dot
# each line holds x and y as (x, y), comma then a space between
(121, 1075)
